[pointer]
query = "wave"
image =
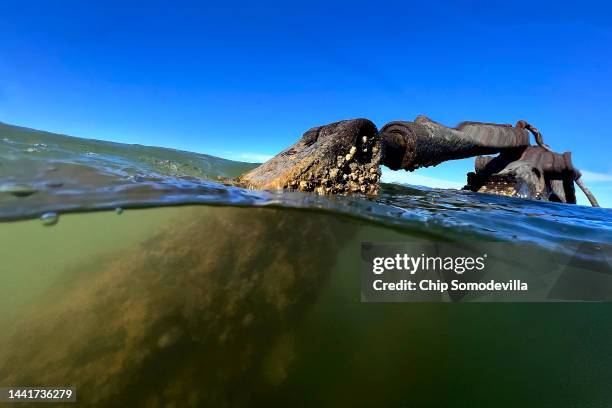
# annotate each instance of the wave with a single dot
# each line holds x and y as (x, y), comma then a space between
(42, 173)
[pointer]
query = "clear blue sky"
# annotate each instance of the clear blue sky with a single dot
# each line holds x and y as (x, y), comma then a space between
(245, 79)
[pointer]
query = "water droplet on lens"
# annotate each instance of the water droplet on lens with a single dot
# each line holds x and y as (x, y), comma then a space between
(50, 218)
(119, 210)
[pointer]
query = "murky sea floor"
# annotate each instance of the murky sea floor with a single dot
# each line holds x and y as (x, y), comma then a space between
(224, 306)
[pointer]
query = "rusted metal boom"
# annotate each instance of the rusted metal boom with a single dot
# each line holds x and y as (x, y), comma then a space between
(424, 143)
(345, 157)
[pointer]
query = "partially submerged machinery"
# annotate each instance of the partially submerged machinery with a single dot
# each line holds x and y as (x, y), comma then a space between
(345, 157)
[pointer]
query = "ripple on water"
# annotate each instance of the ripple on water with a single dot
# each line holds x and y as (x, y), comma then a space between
(69, 174)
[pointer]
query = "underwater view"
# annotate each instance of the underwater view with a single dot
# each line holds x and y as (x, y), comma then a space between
(333, 204)
(143, 277)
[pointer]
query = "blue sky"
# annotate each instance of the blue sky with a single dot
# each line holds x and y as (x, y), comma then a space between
(243, 80)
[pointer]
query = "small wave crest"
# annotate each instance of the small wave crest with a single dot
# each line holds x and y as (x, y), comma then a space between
(43, 172)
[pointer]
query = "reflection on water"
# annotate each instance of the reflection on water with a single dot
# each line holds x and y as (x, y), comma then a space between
(221, 306)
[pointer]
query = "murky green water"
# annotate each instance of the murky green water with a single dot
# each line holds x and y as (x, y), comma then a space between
(221, 306)
(220, 296)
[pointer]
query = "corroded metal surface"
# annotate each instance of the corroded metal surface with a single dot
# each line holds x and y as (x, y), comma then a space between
(424, 143)
(342, 157)
(532, 172)
(345, 157)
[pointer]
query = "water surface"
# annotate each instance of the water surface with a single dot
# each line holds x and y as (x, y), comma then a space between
(204, 294)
